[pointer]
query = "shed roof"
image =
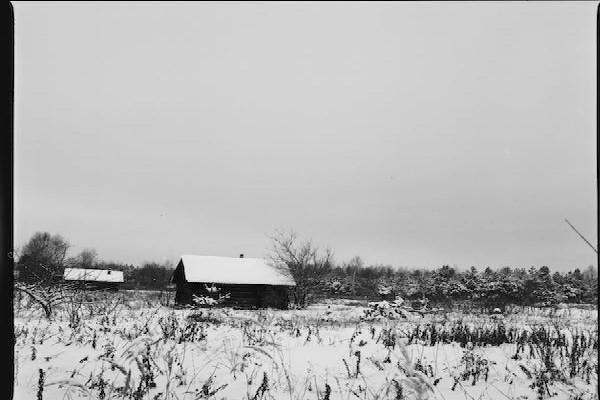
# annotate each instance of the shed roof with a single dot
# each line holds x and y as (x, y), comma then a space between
(232, 270)
(93, 275)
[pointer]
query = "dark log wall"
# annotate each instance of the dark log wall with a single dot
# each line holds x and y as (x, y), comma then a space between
(183, 294)
(240, 296)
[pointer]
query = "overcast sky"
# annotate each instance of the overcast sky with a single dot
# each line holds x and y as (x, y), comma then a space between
(408, 134)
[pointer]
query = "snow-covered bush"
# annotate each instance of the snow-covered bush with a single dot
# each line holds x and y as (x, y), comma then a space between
(203, 301)
(385, 309)
(384, 290)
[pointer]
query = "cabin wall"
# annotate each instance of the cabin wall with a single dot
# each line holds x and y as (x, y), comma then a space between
(240, 296)
(183, 293)
(92, 285)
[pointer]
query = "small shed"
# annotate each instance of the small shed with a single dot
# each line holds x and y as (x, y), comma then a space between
(241, 282)
(94, 278)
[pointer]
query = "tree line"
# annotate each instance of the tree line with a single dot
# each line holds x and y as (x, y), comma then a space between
(317, 275)
(44, 257)
(446, 286)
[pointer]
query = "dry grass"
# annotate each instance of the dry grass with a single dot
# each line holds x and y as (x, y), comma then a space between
(131, 345)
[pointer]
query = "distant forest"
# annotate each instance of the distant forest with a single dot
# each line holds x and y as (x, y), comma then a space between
(45, 256)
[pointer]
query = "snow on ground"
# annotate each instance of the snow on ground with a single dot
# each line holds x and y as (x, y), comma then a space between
(149, 351)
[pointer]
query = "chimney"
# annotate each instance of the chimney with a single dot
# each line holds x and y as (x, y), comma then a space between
(241, 256)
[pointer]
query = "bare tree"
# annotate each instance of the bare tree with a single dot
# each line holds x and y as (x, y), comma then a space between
(87, 258)
(40, 266)
(46, 296)
(354, 265)
(42, 258)
(307, 263)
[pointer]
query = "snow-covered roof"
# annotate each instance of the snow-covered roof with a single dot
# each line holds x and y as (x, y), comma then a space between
(230, 270)
(94, 275)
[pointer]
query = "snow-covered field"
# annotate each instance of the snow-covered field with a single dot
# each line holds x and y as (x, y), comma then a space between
(128, 345)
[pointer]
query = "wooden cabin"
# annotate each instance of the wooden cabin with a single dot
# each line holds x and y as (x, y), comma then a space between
(94, 279)
(242, 282)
